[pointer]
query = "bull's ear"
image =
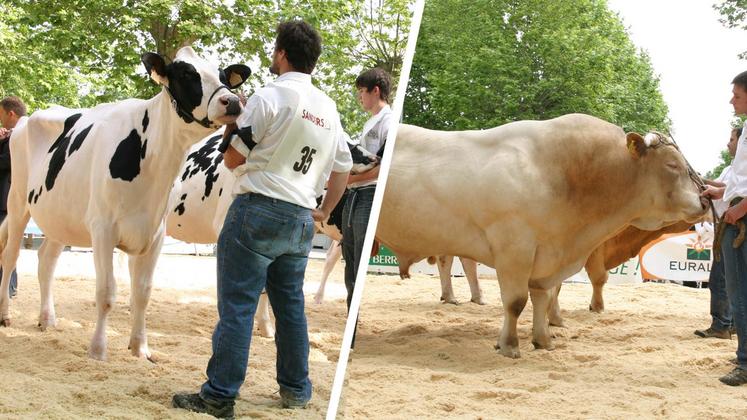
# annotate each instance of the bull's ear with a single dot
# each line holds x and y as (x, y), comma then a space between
(155, 65)
(236, 74)
(636, 145)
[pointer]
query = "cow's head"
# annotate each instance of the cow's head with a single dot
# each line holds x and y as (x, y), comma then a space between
(200, 89)
(672, 189)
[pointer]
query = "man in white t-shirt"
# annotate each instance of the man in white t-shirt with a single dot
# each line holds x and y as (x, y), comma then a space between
(287, 143)
(374, 87)
(12, 115)
(735, 259)
(721, 321)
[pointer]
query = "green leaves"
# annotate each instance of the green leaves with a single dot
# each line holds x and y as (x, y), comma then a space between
(88, 52)
(484, 63)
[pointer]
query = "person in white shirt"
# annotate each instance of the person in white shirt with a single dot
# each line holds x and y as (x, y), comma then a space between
(735, 258)
(721, 321)
(12, 115)
(287, 142)
(374, 87)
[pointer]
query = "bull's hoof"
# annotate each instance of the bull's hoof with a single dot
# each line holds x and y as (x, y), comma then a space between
(546, 345)
(557, 322)
(479, 301)
(99, 355)
(5, 322)
(596, 308)
(508, 351)
(45, 324)
(318, 299)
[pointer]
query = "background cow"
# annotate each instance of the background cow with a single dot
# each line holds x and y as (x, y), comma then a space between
(542, 196)
(202, 195)
(101, 178)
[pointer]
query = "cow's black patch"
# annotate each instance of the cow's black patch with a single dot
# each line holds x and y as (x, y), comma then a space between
(202, 160)
(31, 196)
(78, 141)
(125, 163)
(142, 151)
(58, 150)
(180, 209)
(145, 121)
(185, 85)
(184, 197)
(36, 198)
(220, 192)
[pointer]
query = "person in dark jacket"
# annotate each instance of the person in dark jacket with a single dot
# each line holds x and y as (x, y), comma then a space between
(12, 114)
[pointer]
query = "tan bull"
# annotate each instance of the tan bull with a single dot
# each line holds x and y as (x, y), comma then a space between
(532, 199)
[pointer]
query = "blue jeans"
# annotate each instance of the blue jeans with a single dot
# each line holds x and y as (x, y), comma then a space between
(720, 307)
(355, 217)
(13, 281)
(264, 244)
(735, 267)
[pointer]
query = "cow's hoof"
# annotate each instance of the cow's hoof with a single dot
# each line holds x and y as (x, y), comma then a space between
(450, 300)
(46, 324)
(97, 354)
(318, 299)
(5, 322)
(547, 345)
(267, 331)
(479, 301)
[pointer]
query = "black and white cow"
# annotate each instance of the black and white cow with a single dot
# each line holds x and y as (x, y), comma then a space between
(101, 178)
(203, 195)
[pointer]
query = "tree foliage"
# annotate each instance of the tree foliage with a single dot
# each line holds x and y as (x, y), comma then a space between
(99, 42)
(498, 61)
(733, 15)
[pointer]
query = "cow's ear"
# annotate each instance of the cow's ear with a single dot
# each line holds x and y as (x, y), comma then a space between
(155, 65)
(636, 145)
(236, 74)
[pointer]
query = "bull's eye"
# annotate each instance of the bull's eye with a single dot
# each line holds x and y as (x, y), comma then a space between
(673, 166)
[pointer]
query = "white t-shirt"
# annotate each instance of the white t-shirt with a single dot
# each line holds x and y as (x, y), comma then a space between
(721, 205)
(373, 136)
(299, 141)
(736, 179)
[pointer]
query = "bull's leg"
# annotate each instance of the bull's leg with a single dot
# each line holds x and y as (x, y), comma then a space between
(470, 270)
(103, 241)
(598, 275)
(49, 252)
(444, 263)
(540, 327)
(11, 235)
(553, 312)
(141, 284)
(333, 256)
(262, 318)
(514, 297)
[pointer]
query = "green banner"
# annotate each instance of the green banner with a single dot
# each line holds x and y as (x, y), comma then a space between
(702, 255)
(385, 257)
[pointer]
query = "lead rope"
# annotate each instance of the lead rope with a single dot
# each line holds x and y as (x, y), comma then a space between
(719, 230)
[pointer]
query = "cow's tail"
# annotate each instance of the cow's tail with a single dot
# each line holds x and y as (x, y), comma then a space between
(3, 235)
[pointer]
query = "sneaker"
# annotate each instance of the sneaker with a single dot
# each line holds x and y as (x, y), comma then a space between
(288, 400)
(194, 402)
(736, 377)
(711, 333)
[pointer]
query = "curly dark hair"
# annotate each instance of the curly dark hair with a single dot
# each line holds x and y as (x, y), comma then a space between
(301, 43)
(15, 104)
(374, 77)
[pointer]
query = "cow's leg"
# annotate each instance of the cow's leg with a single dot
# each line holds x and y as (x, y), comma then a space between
(514, 295)
(262, 318)
(49, 252)
(11, 235)
(553, 312)
(333, 256)
(444, 263)
(598, 276)
(141, 283)
(540, 327)
(470, 271)
(103, 241)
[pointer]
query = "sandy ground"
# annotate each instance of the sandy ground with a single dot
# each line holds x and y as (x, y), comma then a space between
(48, 374)
(418, 358)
